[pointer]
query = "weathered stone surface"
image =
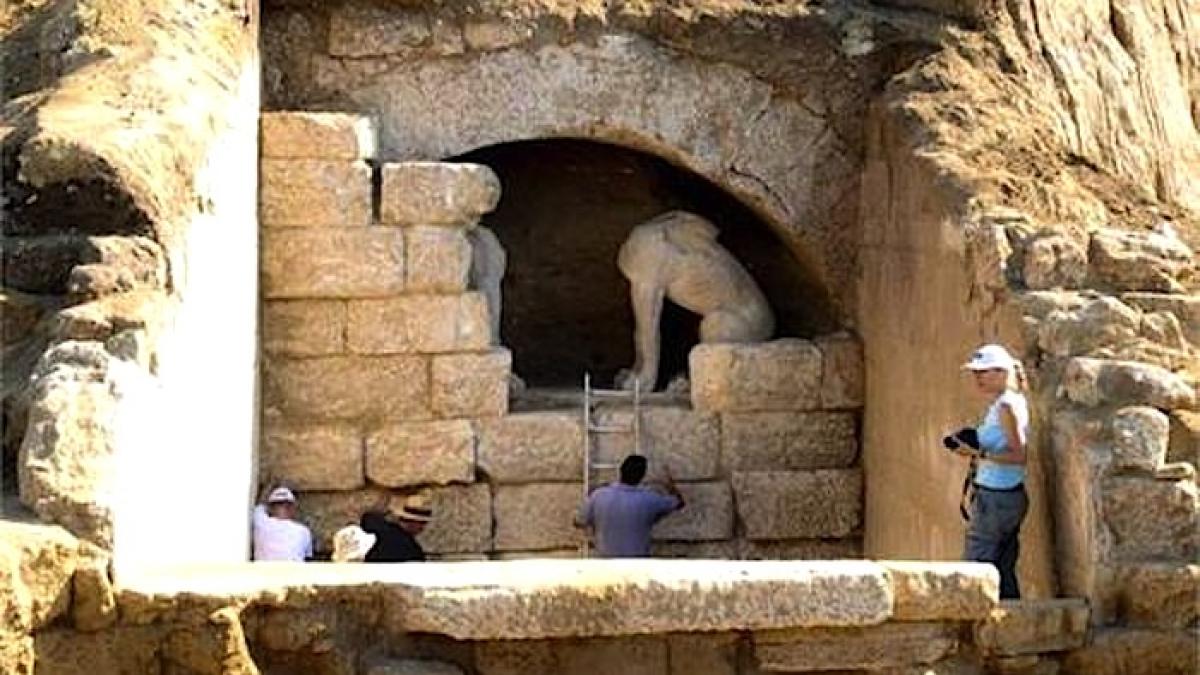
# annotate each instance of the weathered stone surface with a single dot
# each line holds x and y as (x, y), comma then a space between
(1054, 260)
(707, 514)
(873, 648)
(538, 516)
(552, 554)
(359, 29)
(1094, 382)
(801, 549)
(462, 519)
(1140, 436)
(1185, 307)
(313, 457)
(638, 655)
(1135, 652)
(766, 441)
(426, 324)
(17, 653)
(842, 377)
(343, 387)
(1184, 443)
(304, 327)
(93, 604)
(699, 654)
(438, 261)
(36, 566)
(1152, 518)
(422, 453)
(317, 135)
(531, 447)
(123, 649)
(437, 193)
(471, 385)
(314, 193)
(1034, 626)
(413, 667)
(327, 512)
(685, 442)
(1099, 323)
(1139, 261)
(336, 263)
(936, 591)
(216, 646)
(694, 550)
(779, 375)
(490, 34)
(799, 504)
(1162, 595)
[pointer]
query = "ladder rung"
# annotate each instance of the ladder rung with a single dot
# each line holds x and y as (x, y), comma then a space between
(610, 429)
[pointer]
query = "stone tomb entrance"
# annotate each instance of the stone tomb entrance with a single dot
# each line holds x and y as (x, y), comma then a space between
(380, 379)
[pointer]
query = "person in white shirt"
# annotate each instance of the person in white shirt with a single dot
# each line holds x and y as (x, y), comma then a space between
(277, 535)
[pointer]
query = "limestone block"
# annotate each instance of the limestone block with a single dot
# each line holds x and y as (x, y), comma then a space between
(361, 29)
(531, 447)
(1139, 261)
(842, 378)
(779, 375)
(17, 653)
(412, 667)
(1152, 518)
(1054, 260)
(1140, 436)
(344, 387)
(471, 385)
(889, 645)
(302, 134)
(421, 453)
(801, 549)
(1184, 443)
(304, 327)
(327, 512)
(314, 193)
(1163, 595)
(703, 654)
(707, 514)
(93, 604)
(313, 457)
(36, 566)
(632, 655)
(799, 504)
(1120, 651)
(437, 193)
(315, 263)
(695, 550)
(538, 516)
(1185, 307)
(1033, 626)
(122, 649)
(765, 441)
(928, 591)
(683, 441)
(482, 36)
(552, 554)
(1097, 324)
(439, 259)
(426, 324)
(462, 519)
(1094, 382)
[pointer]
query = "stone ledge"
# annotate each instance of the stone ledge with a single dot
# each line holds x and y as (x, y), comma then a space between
(1034, 627)
(930, 591)
(317, 135)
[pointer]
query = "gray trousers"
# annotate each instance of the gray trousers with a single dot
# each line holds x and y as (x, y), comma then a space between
(993, 532)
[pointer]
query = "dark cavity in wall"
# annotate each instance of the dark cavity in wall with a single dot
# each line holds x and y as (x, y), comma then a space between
(565, 210)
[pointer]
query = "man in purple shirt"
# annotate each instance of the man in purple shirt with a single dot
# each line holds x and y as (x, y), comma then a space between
(622, 514)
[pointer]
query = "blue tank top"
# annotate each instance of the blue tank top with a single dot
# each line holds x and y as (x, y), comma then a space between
(992, 441)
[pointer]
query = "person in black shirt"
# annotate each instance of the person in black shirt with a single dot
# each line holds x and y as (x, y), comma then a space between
(396, 541)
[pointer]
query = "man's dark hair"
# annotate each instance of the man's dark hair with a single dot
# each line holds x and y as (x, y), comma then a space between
(633, 469)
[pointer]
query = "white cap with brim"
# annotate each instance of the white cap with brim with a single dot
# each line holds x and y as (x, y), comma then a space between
(990, 357)
(281, 495)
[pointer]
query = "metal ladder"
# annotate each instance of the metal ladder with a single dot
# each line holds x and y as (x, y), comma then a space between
(590, 397)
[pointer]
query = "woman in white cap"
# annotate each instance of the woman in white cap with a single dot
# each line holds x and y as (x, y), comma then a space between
(999, 502)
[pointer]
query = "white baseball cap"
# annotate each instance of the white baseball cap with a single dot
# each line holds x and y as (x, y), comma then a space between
(281, 494)
(989, 357)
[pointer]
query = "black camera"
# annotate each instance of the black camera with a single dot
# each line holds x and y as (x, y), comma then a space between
(966, 436)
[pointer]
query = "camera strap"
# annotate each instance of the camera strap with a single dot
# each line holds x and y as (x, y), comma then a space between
(968, 490)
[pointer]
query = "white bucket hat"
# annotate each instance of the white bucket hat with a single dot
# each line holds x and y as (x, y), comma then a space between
(989, 357)
(281, 495)
(351, 544)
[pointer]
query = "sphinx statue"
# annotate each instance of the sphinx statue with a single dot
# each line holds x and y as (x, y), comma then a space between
(675, 256)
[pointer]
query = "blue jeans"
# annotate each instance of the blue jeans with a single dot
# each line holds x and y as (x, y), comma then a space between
(993, 532)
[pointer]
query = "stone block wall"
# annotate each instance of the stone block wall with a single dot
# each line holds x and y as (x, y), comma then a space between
(380, 380)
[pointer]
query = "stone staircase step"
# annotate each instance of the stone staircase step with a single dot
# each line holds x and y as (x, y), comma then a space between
(1033, 627)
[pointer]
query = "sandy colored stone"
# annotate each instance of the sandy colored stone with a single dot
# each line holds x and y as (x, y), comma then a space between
(850, 548)
(1185, 307)
(123, 649)
(343, 387)
(886, 646)
(17, 653)
(314, 193)
(471, 385)
(1139, 261)
(492, 34)
(1184, 443)
(462, 519)
(551, 554)
(439, 259)
(437, 193)
(413, 667)
(1095, 325)
(695, 550)
(426, 324)
(938, 591)
(93, 603)
(1034, 626)
(774, 441)
(842, 372)
(1094, 382)
(36, 566)
(1140, 436)
(707, 514)
(635, 655)
(296, 134)
(332, 263)
(798, 504)
(421, 453)
(685, 442)
(313, 457)
(304, 327)
(1162, 595)
(779, 375)
(1152, 518)
(1118, 651)
(327, 512)
(537, 516)
(361, 29)
(531, 447)
(1054, 260)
